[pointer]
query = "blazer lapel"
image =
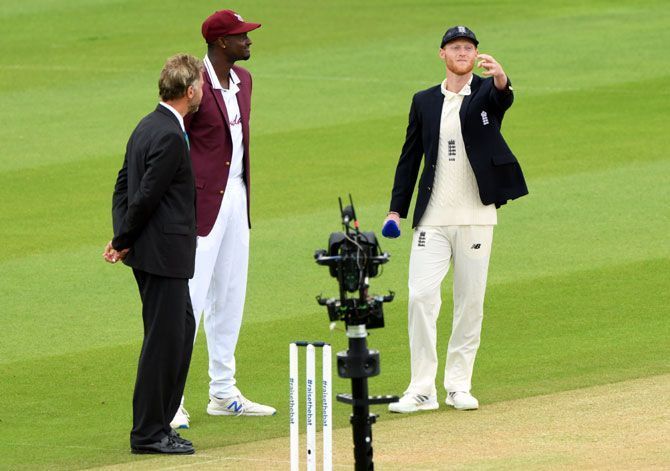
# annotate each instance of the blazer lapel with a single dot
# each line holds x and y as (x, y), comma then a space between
(474, 88)
(243, 101)
(433, 116)
(218, 98)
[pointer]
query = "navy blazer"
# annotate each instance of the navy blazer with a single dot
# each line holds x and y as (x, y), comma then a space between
(496, 169)
(153, 206)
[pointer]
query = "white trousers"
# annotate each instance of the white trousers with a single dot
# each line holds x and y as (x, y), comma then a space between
(433, 249)
(218, 287)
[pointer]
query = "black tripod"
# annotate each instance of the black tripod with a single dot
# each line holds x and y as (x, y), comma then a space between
(359, 363)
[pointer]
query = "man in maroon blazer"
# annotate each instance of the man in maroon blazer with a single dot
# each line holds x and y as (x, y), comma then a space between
(219, 138)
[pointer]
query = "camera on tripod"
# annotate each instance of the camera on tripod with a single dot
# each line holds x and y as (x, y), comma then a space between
(353, 257)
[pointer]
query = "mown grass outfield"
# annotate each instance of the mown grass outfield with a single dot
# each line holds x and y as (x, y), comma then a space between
(578, 290)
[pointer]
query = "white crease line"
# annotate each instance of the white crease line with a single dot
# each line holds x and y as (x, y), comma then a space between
(41, 445)
(232, 458)
(224, 458)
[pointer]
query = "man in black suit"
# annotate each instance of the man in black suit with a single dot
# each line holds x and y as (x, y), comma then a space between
(468, 172)
(153, 211)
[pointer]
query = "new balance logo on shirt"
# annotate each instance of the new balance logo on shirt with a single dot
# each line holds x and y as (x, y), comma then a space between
(476, 246)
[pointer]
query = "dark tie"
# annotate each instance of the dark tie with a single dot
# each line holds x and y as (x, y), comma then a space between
(188, 143)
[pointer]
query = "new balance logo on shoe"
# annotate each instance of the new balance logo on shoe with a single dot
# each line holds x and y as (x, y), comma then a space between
(234, 406)
(237, 405)
(422, 239)
(476, 246)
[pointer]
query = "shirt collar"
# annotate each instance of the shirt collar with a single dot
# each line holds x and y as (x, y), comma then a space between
(216, 84)
(177, 115)
(465, 91)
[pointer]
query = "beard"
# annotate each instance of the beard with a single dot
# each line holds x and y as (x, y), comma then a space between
(460, 68)
(193, 106)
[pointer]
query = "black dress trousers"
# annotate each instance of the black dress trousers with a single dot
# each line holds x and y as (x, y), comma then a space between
(169, 327)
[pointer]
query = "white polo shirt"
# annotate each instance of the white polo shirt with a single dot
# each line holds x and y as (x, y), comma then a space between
(455, 200)
(234, 118)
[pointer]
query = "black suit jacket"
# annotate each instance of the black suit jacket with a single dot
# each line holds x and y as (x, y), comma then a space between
(153, 206)
(497, 171)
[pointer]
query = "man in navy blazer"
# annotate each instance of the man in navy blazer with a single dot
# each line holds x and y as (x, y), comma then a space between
(153, 211)
(499, 176)
(219, 134)
(468, 172)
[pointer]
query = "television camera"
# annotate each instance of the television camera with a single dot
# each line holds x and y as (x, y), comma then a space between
(353, 257)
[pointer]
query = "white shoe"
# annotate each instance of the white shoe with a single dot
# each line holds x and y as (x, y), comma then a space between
(237, 405)
(180, 419)
(413, 403)
(462, 400)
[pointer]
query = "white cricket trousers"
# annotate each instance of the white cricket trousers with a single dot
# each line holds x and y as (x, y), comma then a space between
(433, 249)
(218, 287)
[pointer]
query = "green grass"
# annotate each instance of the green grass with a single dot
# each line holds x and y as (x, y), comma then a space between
(577, 290)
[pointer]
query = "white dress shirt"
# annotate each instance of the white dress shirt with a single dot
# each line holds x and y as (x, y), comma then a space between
(234, 118)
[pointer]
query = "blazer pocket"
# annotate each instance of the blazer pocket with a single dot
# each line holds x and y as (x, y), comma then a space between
(200, 183)
(502, 159)
(182, 229)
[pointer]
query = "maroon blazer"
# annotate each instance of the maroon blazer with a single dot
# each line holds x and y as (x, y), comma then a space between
(212, 148)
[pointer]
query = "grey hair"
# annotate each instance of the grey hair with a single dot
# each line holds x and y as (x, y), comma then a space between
(179, 72)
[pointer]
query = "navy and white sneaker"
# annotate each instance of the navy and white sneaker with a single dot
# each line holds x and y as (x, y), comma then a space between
(237, 405)
(413, 403)
(462, 400)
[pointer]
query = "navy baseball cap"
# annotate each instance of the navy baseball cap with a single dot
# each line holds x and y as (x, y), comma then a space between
(459, 32)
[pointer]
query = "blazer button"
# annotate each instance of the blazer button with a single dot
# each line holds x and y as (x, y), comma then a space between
(428, 188)
(221, 192)
(228, 163)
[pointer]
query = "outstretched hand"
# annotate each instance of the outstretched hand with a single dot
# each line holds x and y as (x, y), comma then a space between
(492, 69)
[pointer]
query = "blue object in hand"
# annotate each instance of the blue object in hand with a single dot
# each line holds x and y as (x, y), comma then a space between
(391, 229)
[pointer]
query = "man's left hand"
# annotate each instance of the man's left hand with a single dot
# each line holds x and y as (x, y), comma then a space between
(492, 69)
(111, 255)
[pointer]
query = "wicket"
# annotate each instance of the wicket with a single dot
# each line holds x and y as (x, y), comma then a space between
(327, 405)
